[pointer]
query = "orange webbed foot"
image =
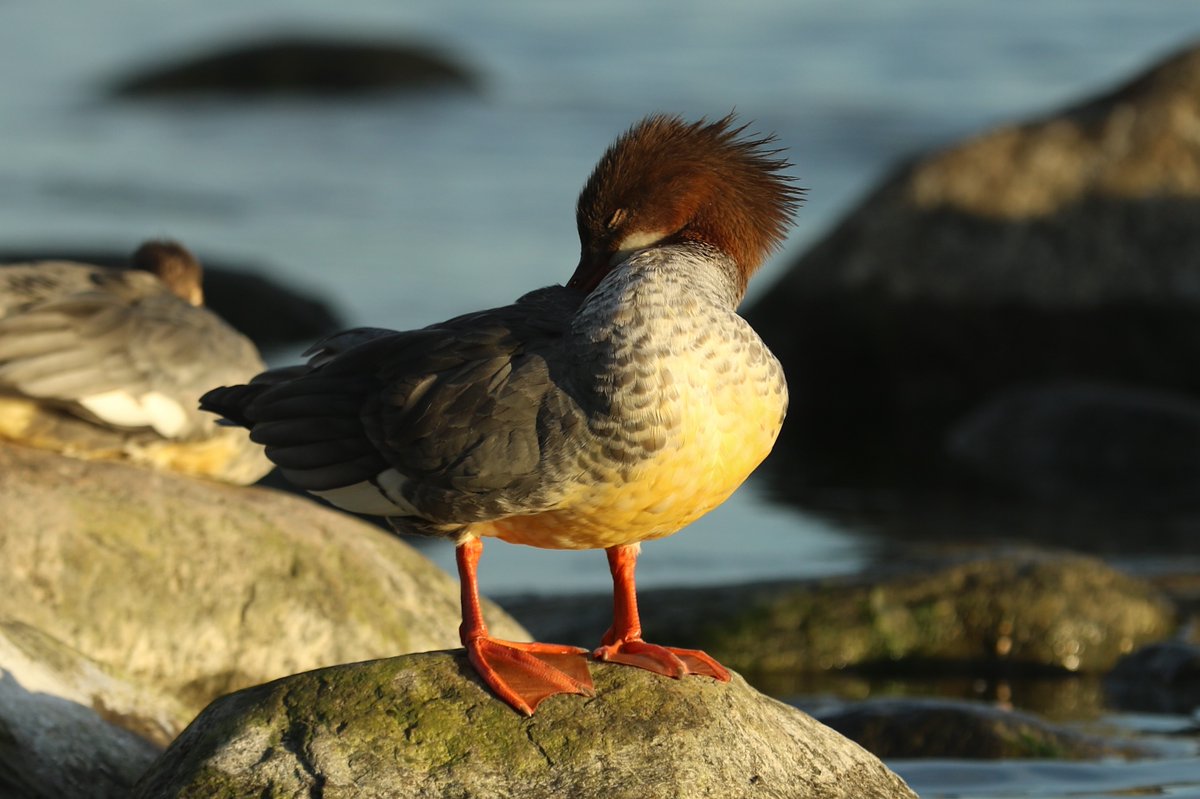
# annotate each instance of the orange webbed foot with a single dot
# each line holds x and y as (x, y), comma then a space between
(523, 674)
(666, 660)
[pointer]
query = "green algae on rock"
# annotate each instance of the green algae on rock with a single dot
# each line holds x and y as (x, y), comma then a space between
(424, 726)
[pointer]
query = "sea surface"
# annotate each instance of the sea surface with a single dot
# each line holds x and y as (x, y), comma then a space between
(403, 210)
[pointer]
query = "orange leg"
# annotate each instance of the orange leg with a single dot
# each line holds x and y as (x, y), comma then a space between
(623, 642)
(522, 674)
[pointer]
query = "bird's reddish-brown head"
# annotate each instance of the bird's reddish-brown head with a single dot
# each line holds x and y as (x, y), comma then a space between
(667, 181)
(175, 266)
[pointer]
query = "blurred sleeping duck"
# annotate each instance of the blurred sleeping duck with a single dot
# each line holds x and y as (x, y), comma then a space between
(101, 363)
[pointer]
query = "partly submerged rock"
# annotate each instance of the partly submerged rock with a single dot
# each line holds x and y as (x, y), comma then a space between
(1021, 613)
(1007, 613)
(304, 65)
(1132, 447)
(1160, 678)
(198, 588)
(910, 728)
(424, 726)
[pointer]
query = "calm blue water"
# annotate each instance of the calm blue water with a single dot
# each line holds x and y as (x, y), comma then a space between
(403, 212)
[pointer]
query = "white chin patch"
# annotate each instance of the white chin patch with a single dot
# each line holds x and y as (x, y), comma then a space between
(381, 497)
(637, 241)
(158, 411)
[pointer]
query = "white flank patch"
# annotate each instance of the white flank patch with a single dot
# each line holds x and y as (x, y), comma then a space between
(155, 410)
(166, 415)
(382, 498)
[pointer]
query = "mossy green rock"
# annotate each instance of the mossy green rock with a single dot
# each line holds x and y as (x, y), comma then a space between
(1033, 612)
(424, 726)
(197, 588)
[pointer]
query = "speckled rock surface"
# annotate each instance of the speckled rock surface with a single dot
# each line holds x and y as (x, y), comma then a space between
(196, 588)
(424, 726)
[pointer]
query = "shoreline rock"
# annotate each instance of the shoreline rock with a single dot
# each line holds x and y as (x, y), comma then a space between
(1012, 613)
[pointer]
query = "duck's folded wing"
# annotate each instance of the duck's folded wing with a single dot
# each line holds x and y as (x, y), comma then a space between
(450, 423)
(129, 364)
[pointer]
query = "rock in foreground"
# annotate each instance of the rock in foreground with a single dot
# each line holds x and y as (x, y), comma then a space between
(424, 726)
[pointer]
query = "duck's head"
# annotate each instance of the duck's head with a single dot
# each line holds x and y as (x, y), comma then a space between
(175, 266)
(667, 181)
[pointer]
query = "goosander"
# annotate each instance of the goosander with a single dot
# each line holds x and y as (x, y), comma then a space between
(102, 363)
(596, 415)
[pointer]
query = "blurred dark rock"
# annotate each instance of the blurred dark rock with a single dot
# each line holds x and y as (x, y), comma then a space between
(1071, 441)
(313, 65)
(1160, 678)
(911, 728)
(1013, 615)
(424, 726)
(1061, 249)
(264, 310)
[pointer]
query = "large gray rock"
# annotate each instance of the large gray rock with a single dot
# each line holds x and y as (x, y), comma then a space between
(69, 728)
(198, 588)
(1064, 247)
(424, 726)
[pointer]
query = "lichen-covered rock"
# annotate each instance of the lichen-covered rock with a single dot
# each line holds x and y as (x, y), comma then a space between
(424, 726)
(1018, 613)
(909, 728)
(58, 739)
(1063, 247)
(198, 588)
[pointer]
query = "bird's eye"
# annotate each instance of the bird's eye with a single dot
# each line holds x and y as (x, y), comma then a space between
(616, 219)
